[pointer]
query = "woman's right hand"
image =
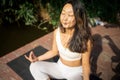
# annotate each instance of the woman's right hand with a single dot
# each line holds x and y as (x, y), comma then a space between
(31, 57)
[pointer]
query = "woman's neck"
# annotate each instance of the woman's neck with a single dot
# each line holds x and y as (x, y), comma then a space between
(69, 31)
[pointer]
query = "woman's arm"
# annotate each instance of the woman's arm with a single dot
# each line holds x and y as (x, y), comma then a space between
(86, 62)
(49, 54)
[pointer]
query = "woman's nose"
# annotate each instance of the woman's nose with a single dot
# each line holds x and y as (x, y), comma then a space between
(65, 18)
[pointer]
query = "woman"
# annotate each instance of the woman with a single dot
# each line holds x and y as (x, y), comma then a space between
(72, 42)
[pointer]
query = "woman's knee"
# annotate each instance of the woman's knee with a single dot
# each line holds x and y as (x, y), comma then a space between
(33, 66)
(36, 70)
(37, 66)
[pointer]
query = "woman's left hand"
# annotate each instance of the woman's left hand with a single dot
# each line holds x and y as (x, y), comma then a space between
(31, 57)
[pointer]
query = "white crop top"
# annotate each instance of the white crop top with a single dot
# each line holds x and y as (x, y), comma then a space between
(65, 53)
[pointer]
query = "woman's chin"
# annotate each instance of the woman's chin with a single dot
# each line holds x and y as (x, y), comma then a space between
(66, 26)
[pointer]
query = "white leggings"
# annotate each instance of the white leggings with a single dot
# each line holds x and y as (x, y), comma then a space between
(43, 70)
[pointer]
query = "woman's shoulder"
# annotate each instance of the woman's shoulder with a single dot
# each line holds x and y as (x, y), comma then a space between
(55, 31)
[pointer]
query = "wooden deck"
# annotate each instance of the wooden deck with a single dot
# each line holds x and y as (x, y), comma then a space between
(105, 58)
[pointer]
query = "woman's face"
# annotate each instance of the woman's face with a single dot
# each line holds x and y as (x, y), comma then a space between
(67, 17)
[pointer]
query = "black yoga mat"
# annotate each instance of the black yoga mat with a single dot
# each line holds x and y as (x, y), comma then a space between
(21, 66)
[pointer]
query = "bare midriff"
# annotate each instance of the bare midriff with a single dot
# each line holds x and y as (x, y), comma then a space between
(75, 63)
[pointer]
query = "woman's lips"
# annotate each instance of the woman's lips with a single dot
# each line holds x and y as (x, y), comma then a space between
(65, 23)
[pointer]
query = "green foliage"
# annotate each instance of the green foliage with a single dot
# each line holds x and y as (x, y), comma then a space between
(9, 16)
(26, 12)
(105, 9)
(12, 11)
(6, 11)
(54, 15)
(54, 8)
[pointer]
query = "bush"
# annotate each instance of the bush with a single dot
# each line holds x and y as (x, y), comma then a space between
(107, 10)
(25, 10)
(13, 11)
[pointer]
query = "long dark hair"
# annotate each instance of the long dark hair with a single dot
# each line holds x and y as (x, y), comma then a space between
(82, 32)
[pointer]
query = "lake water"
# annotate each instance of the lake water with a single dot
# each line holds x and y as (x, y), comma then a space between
(13, 37)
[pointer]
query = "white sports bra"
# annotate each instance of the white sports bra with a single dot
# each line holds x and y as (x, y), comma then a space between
(65, 53)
